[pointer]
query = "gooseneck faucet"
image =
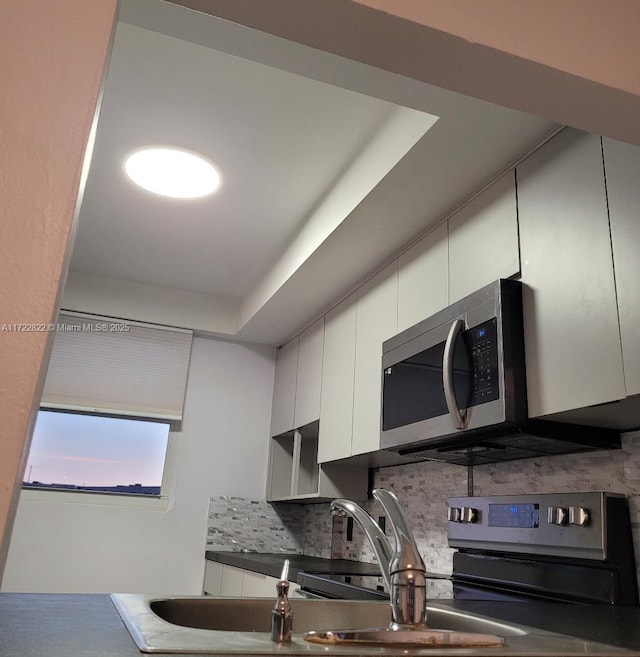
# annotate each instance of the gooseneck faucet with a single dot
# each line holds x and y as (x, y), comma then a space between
(402, 568)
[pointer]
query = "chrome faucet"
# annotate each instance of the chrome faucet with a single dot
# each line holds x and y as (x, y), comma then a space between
(402, 568)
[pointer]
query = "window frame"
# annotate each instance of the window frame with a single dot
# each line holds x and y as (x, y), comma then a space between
(159, 502)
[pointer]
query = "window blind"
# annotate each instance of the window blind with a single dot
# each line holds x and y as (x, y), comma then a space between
(117, 367)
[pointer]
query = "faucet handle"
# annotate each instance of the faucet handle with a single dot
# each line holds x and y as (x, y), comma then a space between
(406, 555)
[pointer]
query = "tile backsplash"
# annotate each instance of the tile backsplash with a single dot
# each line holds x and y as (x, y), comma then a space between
(423, 490)
(237, 524)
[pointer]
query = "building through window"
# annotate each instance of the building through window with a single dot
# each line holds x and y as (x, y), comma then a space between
(82, 452)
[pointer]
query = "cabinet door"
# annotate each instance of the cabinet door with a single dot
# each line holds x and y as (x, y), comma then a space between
(284, 388)
(231, 582)
(257, 585)
(423, 278)
(572, 340)
(336, 398)
(483, 239)
(212, 578)
(376, 321)
(307, 407)
(622, 166)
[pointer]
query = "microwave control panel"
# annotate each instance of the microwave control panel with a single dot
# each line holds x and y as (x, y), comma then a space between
(482, 341)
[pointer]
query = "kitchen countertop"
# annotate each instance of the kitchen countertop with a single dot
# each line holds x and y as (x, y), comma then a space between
(78, 625)
(271, 564)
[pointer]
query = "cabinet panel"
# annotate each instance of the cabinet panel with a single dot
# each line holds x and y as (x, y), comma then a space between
(212, 578)
(256, 585)
(231, 582)
(336, 399)
(284, 388)
(622, 166)
(376, 321)
(307, 404)
(423, 272)
(571, 325)
(483, 239)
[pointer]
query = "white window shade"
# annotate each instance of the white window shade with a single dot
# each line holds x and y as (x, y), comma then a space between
(117, 367)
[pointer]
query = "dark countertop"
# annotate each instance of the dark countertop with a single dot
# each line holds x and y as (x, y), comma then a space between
(271, 564)
(49, 625)
(78, 625)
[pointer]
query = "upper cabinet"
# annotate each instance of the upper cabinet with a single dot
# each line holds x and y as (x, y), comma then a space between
(483, 239)
(376, 321)
(423, 272)
(567, 229)
(338, 371)
(622, 164)
(351, 372)
(296, 389)
(309, 374)
(572, 338)
(284, 388)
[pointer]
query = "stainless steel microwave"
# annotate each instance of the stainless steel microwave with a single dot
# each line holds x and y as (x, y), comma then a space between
(454, 387)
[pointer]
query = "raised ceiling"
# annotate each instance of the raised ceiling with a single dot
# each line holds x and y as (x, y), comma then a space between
(329, 168)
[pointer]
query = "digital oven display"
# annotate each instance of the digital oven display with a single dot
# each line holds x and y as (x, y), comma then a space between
(514, 515)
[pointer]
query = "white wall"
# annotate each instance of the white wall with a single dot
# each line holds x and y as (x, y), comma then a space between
(222, 450)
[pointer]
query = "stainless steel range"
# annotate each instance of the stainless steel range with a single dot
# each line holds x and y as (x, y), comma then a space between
(572, 547)
(565, 547)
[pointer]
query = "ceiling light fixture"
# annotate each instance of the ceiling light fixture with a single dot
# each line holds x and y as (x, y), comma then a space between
(172, 172)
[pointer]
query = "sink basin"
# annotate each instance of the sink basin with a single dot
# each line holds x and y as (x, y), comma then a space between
(254, 615)
(242, 626)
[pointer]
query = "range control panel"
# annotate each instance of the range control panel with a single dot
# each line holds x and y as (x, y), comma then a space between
(554, 524)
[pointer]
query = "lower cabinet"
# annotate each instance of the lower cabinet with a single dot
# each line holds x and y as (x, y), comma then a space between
(221, 580)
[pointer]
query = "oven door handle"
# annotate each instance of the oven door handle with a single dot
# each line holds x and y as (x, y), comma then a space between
(459, 417)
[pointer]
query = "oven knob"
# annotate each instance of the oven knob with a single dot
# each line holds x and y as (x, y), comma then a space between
(453, 514)
(578, 515)
(557, 515)
(468, 514)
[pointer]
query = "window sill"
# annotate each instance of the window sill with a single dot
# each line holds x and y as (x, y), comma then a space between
(88, 498)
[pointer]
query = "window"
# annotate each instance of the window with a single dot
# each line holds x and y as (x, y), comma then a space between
(113, 391)
(94, 453)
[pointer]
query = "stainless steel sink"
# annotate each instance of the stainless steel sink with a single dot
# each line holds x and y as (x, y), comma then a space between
(254, 615)
(241, 626)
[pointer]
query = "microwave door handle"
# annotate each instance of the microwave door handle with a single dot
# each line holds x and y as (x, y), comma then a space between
(447, 373)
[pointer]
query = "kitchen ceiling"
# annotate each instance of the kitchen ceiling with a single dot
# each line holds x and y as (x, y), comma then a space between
(329, 168)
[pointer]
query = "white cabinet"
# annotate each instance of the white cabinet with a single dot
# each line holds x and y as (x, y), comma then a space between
(293, 464)
(296, 388)
(423, 272)
(483, 239)
(284, 388)
(376, 321)
(309, 374)
(351, 373)
(222, 580)
(622, 166)
(338, 371)
(296, 475)
(257, 585)
(296, 470)
(231, 585)
(572, 337)
(212, 578)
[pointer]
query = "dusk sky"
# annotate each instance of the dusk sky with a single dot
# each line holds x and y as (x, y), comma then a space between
(96, 451)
